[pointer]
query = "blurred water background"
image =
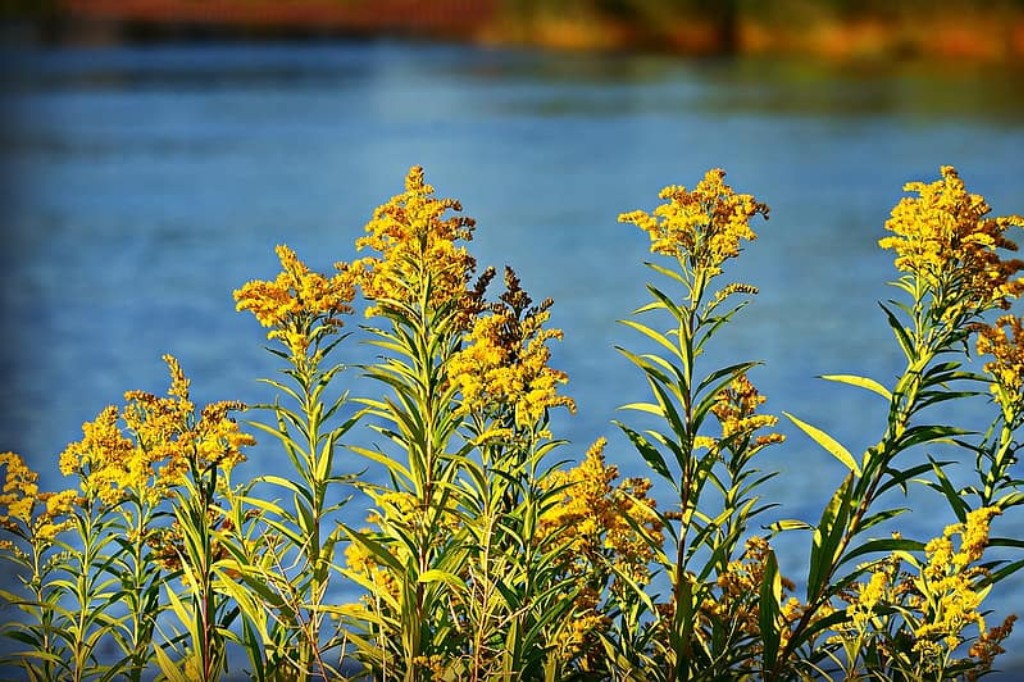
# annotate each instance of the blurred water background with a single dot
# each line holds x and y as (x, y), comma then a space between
(143, 184)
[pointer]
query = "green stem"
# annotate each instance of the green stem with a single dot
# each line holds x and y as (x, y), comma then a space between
(904, 400)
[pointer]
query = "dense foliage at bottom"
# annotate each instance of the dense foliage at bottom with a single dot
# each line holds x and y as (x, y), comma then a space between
(483, 555)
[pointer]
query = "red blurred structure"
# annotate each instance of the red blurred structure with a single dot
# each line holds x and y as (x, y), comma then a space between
(455, 18)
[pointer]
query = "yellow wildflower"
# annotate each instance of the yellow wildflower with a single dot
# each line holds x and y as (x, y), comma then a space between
(504, 363)
(420, 260)
(593, 517)
(944, 238)
(433, 664)
(705, 225)
(579, 634)
(740, 588)
(735, 409)
(100, 458)
(299, 304)
(869, 597)
(949, 594)
(169, 440)
(20, 491)
(55, 518)
(20, 499)
(361, 562)
(1004, 341)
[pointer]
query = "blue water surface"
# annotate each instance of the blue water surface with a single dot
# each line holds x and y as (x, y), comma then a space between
(142, 185)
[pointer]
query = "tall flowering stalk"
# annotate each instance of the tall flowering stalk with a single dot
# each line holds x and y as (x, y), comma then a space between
(418, 285)
(954, 273)
(303, 312)
(158, 477)
(698, 231)
(506, 389)
(34, 522)
(460, 574)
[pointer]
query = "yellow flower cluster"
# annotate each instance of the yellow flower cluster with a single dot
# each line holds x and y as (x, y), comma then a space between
(419, 261)
(871, 594)
(361, 562)
(948, 596)
(401, 514)
(705, 225)
(433, 665)
(883, 588)
(1004, 341)
(299, 304)
(735, 408)
(20, 497)
(603, 524)
(738, 601)
(169, 440)
(20, 490)
(937, 604)
(578, 634)
(504, 364)
(944, 238)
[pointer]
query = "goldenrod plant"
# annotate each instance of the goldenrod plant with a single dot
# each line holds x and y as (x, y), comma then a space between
(283, 551)
(723, 608)
(116, 561)
(436, 529)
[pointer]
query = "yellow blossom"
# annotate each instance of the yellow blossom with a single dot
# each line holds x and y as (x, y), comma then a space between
(950, 597)
(299, 304)
(735, 409)
(871, 594)
(1004, 341)
(579, 633)
(420, 261)
(504, 363)
(594, 517)
(56, 517)
(740, 586)
(362, 563)
(20, 500)
(168, 441)
(943, 237)
(704, 225)
(20, 491)
(433, 664)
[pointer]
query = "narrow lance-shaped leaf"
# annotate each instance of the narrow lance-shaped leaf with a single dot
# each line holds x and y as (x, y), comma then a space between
(860, 382)
(830, 444)
(769, 613)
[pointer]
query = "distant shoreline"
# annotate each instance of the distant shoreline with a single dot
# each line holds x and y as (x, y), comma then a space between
(996, 35)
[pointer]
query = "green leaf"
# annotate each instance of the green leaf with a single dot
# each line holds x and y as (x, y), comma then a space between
(827, 537)
(789, 524)
(957, 503)
(769, 612)
(883, 545)
(653, 335)
(662, 270)
(901, 333)
(828, 443)
(380, 552)
(650, 453)
(861, 382)
(381, 458)
(168, 667)
(434, 575)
